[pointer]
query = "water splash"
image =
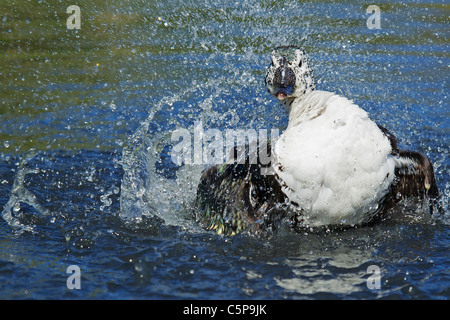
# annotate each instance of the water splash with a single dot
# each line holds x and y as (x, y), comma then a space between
(152, 184)
(21, 195)
(143, 191)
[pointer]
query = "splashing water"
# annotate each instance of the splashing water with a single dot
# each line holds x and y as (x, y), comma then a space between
(146, 189)
(21, 195)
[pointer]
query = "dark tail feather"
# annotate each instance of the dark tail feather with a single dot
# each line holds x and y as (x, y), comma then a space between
(415, 178)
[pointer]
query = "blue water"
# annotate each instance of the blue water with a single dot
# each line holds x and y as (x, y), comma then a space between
(86, 118)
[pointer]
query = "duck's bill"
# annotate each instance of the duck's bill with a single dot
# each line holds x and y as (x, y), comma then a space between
(280, 96)
(282, 93)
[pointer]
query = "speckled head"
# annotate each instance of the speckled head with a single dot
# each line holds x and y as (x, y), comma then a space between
(289, 75)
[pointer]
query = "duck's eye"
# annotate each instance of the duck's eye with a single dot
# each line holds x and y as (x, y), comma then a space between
(300, 63)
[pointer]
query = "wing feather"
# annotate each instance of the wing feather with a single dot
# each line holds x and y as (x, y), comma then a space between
(233, 197)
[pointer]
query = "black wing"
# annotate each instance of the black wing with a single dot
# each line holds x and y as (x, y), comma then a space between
(414, 176)
(238, 196)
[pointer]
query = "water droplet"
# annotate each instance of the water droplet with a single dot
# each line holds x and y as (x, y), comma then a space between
(6, 144)
(16, 207)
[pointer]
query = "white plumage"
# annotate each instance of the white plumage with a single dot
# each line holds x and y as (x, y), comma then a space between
(333, 161)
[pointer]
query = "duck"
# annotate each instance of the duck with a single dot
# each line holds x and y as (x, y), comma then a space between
(331, 167)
